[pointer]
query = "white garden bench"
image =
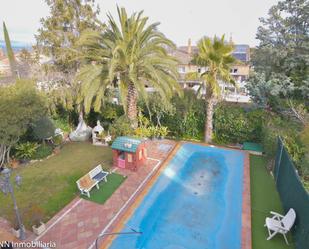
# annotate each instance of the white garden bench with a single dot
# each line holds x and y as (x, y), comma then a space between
(91, 179)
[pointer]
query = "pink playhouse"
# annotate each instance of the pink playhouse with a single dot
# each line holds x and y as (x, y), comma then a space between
(129, 153)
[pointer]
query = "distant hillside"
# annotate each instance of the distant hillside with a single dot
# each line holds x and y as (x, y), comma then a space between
(16, 45)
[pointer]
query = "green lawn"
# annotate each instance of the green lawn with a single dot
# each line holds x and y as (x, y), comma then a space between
(264, 198)
(106, 189)
(50, 184)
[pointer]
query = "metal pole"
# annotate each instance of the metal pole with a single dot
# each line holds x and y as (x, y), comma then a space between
(7, 173)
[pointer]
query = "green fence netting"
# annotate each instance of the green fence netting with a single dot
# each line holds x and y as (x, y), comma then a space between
(293, 195)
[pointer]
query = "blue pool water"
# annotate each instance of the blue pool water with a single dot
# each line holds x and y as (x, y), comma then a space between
(196, 203)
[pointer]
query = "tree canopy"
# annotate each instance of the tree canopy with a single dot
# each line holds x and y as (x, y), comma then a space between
(130, 56)
(20, 105)
(282, 54)
(61, 30)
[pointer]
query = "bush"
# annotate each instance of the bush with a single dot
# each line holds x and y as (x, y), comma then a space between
(146, 130)
(62, 123)
(26, 150)
(57, 140)
(163, 131)
(109, 113)
(188, 117)
(121, 127)
(42, 152)
(142, 132)
(274, 126)
(43, 128)
(235, 125)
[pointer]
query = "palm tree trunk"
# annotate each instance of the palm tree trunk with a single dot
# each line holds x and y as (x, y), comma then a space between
(209, 120)
(132, 105)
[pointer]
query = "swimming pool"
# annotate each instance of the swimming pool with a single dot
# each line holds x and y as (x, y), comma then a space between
(196, 203)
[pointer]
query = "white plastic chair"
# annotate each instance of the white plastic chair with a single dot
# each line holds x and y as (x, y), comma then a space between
(280, 224)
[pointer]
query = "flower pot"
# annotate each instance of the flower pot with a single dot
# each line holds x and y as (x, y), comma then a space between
(15, 232)
(39, 229)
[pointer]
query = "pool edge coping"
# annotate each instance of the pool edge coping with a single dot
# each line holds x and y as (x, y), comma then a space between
(246, 236)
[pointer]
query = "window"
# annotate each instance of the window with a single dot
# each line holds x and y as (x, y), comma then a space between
(140, 155)
(235, 70)
(130, 158)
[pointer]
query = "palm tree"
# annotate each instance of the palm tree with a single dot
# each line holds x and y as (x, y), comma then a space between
(215, 56)
(129, 56)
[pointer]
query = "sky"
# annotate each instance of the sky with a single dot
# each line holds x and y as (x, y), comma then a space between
(179, 19)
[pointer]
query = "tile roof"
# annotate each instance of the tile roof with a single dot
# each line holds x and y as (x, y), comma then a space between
(127, 144)
(182, 56)
(241, 52)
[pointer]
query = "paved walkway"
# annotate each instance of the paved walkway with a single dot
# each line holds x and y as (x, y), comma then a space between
(80, 222)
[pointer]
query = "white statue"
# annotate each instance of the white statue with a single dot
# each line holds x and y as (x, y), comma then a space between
(82, 132)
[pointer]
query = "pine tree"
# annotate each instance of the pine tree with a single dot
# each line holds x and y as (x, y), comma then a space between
(9, 50)
(61, 30)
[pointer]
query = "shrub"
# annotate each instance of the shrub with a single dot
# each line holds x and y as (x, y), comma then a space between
(62, 124)
(163, 131)
(20, 105)
(42, 152)
(145, 129)
(121, 127)
(26, 150)
(188, 117)
(142, 132)
(57, 140)
(43, 128)
(235, 125)
(108, 114)
(274, 126)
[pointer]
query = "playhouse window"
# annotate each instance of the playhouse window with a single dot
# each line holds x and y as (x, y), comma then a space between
(140, 154)
(129, 158)
(122, 155)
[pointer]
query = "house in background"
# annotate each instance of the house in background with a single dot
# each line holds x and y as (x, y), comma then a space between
(240, 71)
(5, 69)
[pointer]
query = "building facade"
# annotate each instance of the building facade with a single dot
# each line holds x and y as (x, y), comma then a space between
(240, 71)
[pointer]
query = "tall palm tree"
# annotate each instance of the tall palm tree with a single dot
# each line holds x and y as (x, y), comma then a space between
(215, 56)
(130, 55)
